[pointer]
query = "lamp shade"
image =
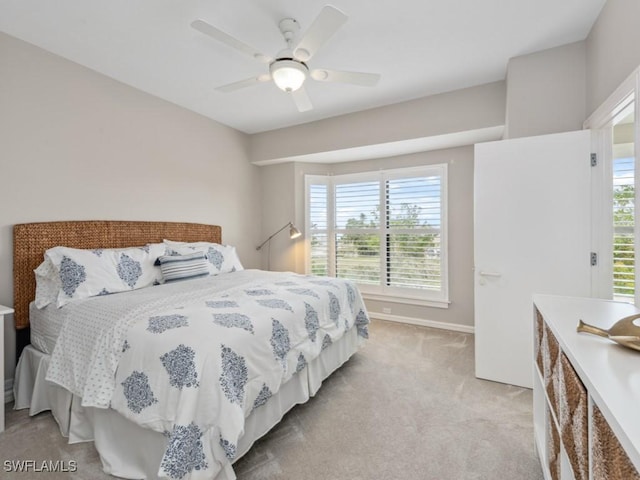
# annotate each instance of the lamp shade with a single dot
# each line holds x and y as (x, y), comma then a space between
(288, 75)
(294, 232)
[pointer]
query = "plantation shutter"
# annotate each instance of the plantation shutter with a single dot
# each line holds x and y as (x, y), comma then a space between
(413, 216)
(318, 221)
(384, 230)
(623, 228)
(357, 231)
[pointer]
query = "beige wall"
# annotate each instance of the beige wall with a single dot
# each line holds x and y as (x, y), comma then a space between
(546, 91)
(77, 145)
(278, 182)
(556, 90)
(460, 174)
(613, 50)
(458, 111)
(452, 112)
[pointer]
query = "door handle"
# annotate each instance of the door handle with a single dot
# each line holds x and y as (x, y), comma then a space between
(489, 274)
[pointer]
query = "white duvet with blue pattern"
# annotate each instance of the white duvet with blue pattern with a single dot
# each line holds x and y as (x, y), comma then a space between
(195, 361)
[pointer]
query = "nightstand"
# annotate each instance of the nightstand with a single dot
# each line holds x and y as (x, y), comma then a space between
(3, 311)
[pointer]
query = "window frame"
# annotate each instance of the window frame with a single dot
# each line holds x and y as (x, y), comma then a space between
(382, 292)
(601, 122)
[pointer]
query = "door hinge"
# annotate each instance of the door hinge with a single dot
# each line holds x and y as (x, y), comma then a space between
(594, 159)
(594, 259)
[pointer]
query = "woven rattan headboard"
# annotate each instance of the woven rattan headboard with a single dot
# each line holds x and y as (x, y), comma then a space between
(31, 240)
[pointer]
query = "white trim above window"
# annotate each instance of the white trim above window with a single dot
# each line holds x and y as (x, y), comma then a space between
(385, 230)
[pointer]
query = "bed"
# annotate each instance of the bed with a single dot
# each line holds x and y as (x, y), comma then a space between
(177, 379)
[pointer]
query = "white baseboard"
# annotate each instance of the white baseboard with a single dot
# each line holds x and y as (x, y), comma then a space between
(423, 322)
(8, 390)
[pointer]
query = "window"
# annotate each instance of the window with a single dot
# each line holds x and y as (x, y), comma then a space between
(623, 169)
(616, 233)
(384, 230)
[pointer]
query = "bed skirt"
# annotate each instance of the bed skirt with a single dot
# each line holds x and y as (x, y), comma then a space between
(118, 440)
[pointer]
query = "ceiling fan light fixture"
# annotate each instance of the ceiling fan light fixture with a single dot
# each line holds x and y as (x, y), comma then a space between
(288, 75)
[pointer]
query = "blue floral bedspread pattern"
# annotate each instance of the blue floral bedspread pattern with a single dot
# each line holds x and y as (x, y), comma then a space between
(194, 368)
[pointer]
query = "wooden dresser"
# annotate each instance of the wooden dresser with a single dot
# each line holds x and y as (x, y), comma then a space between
(586, 392)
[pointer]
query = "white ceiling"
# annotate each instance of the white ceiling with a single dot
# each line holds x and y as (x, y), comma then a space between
(420, 47)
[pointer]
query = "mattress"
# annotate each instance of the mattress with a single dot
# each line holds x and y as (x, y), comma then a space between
(46, 324)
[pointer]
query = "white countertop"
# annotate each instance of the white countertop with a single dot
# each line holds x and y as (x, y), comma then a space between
(610, 372)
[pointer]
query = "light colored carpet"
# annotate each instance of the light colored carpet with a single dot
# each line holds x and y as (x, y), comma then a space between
(406, 406)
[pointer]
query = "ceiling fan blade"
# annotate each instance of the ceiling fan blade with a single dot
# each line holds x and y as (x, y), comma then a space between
(302, 100)
(217, 34)
(249, 82)
(357, 78)
(328, 21)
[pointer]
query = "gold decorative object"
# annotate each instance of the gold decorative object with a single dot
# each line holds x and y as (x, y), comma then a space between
(624, 331)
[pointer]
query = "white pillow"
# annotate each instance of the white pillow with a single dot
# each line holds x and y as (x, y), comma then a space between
(47, 283)
(222, 258)
(87, 273)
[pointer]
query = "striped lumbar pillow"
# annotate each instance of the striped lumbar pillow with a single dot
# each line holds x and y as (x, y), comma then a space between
(182, 267)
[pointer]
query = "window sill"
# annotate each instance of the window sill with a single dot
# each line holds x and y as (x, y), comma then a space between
(406, 300)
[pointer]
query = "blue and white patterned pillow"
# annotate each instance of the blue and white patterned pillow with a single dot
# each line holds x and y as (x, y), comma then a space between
(222, 258)
(183, 267)
(87, 273)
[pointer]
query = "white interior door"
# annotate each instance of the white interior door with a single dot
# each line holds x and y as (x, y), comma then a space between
(531, 235)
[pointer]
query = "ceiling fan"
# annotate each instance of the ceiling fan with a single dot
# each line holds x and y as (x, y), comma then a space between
(289, 69)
